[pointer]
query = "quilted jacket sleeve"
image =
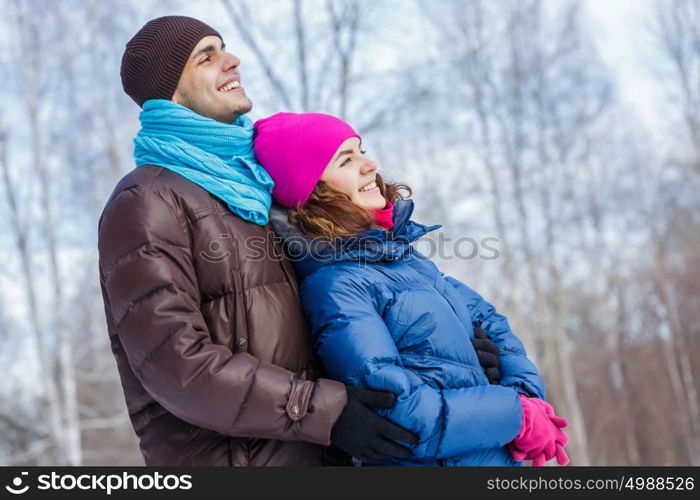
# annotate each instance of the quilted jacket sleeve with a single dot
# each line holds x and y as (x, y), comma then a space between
(152, 304)
(356, 347)
(516, 369)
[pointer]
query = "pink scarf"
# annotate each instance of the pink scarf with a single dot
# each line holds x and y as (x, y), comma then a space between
(384, 216)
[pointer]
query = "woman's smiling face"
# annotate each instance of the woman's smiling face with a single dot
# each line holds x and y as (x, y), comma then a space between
(353, 173)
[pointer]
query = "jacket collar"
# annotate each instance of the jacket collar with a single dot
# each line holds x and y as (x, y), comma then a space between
(374, 245)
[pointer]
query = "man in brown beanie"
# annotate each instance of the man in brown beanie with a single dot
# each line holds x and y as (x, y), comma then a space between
(208, 334)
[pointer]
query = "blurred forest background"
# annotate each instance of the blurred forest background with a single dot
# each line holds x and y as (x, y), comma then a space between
(504, 116)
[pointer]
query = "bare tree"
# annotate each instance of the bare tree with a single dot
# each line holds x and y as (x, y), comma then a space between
(676, 28)
(331, 68)
(44, 358)
(29, 42)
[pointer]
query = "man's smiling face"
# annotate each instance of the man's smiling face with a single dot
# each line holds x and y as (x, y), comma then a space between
(210, 83)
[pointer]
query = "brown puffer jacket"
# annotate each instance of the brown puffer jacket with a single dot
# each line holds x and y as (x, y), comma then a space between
(206, 327)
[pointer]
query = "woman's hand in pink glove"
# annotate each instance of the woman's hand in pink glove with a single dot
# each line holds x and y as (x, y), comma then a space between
(541, 437)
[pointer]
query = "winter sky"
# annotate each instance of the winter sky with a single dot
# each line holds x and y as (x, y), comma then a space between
(619, 29)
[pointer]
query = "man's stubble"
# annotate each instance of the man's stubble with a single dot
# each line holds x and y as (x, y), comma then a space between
(185, 99)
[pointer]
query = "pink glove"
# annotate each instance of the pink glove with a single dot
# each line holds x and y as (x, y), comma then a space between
(541, 437)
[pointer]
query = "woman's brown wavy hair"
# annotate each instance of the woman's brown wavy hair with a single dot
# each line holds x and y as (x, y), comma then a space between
(329, 214)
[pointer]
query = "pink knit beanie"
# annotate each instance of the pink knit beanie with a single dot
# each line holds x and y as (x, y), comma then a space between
(295, 149)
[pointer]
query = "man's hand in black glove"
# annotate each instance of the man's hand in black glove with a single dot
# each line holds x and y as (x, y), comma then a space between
(365, 435)
(487, 352)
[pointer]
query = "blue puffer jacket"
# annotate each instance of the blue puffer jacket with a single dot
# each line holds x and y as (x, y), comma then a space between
(384, 317)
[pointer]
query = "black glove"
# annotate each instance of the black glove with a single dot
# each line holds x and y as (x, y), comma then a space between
(487, 352)
(365, 435)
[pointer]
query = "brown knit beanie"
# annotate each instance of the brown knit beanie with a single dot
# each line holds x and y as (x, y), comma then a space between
(156, 56)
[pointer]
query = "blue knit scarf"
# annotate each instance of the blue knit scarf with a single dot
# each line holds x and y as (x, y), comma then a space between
(216, 156)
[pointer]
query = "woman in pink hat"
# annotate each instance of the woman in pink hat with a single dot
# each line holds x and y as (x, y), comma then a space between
(382, 315)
